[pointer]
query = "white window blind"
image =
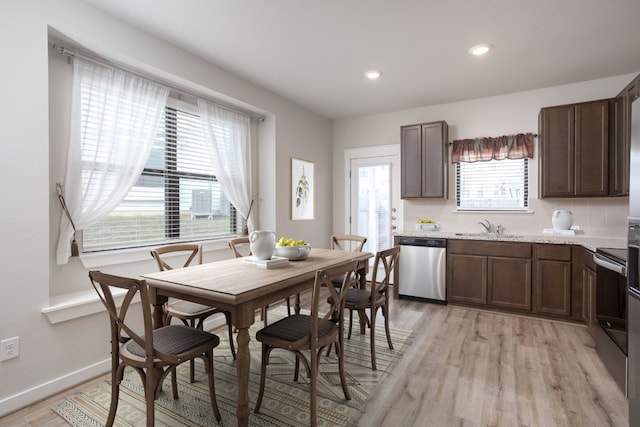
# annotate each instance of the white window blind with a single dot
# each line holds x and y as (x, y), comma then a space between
(177, 198)
(493, 185)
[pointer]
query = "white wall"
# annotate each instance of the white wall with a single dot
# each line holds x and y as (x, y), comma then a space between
(486, 117)
(54, 357)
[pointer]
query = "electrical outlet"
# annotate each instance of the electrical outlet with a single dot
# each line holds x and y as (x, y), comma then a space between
(9, 348)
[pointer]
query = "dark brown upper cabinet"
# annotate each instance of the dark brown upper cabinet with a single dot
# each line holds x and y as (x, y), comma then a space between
(574, 150)
(424, 167)
(621, 139)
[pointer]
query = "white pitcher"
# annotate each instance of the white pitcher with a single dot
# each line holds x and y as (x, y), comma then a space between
(262, 244)
(562, 220)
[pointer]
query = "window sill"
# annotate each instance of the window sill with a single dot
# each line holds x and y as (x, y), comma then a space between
(493, 211)
(78, 304)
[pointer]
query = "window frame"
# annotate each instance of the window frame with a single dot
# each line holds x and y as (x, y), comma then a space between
(525, 196)
(171, 177)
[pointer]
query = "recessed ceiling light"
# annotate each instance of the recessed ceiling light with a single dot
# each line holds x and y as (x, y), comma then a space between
(480, 49)
(373, 74)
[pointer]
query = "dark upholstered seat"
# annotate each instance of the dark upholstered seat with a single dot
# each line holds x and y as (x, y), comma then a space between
(294, 328)
(174, 340)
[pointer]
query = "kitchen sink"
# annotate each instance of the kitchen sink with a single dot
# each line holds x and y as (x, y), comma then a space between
(490, 235)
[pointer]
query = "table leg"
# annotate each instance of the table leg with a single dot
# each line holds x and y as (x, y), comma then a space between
(242, 369)
(158, 302)
(297, 304)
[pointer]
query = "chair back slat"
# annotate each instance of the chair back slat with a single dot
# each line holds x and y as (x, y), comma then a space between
(121, 330)
(189, 250)
(240, 245)
(348, 242)
(348, 273)
(335, 313)
(389, 260)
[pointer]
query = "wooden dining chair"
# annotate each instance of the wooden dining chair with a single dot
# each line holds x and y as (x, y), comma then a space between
(152, 353)
(241, 247)
(374, 297)
(301, 333)
(190, 313)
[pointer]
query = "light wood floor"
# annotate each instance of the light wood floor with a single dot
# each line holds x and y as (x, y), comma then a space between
(469, 367)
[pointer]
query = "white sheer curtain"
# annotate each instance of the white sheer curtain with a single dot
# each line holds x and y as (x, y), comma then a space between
(114, 119)
(228, 136)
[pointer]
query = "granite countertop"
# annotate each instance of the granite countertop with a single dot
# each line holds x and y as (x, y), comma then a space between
(589, 242)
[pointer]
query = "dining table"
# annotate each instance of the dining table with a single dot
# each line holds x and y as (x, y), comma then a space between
(242, 287)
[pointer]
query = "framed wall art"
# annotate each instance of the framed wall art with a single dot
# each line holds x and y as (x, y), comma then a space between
(301, 189)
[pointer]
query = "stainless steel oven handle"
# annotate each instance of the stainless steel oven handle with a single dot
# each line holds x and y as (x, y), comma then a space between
(603, 262)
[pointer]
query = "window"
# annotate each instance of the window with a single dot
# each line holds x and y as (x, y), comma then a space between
(493, 185)
(177, 198)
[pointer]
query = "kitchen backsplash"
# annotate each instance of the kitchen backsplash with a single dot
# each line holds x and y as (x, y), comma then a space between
(598, 217)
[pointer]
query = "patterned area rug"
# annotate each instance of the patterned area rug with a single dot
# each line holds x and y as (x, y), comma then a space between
(286, 403)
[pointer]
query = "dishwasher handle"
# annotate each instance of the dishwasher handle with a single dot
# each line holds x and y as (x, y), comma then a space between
(422, 241)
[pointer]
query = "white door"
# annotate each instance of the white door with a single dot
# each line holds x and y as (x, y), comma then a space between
(373, 205)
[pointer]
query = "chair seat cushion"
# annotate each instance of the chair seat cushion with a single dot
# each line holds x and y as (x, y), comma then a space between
(188, 309)
(359, 296)
(294, 328)
(337, 281)
(176, 339)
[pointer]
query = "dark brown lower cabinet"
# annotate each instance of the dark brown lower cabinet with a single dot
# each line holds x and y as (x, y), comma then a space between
(495, 274)
(509, 283)
(467, 278)
(549, 280)
(552, 279)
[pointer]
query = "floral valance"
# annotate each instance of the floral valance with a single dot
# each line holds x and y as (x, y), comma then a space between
(518, 146)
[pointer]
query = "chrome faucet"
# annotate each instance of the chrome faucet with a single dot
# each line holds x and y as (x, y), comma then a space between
(486, 224)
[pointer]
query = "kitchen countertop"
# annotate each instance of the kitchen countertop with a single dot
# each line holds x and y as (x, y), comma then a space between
(589, 242)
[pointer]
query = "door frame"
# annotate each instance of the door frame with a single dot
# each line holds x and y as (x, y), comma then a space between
(364, 153)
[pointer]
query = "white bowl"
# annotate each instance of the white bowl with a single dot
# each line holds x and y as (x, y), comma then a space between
(428, 227)
(293, 253)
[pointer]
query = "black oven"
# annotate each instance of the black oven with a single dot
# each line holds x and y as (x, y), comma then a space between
(611, 294)
(611, 312)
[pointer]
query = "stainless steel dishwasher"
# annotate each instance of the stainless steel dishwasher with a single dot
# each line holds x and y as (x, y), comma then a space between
(421, 269)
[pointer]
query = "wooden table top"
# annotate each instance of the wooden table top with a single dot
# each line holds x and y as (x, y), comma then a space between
(234, 281)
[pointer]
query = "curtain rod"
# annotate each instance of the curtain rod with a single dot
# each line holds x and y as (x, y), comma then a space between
(64, 51)
(535, 135)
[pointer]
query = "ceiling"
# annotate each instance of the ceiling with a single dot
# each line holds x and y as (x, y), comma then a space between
(315, 53)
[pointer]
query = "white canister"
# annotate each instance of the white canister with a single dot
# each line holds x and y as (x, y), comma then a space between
(262, 244)
(562, 220)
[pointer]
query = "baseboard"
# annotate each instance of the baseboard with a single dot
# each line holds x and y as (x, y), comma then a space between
(57, 385)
